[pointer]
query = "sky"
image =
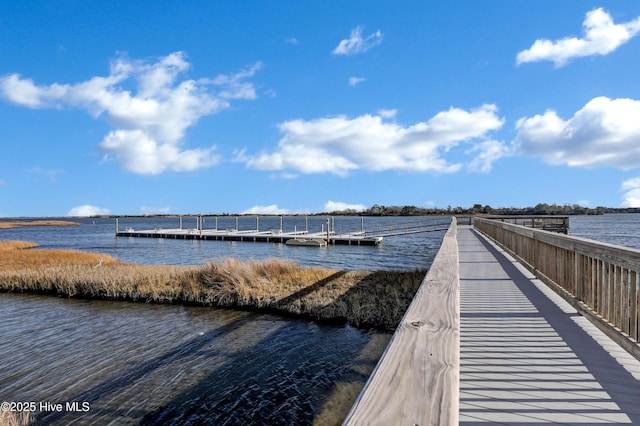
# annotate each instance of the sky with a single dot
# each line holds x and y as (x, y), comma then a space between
(291, 107)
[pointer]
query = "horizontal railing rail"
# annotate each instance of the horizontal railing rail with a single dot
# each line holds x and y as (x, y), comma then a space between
(600, 280)
(416, 381)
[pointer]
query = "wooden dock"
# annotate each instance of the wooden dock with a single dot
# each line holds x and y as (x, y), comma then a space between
(256, 236)
(327, 235)
(516, 349)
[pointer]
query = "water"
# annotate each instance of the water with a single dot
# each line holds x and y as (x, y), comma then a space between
(158, 364)
(621, 229)
(405, 252)
(134, 363)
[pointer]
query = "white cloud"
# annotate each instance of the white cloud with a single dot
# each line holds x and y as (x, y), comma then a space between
(150, 124)
(388, 113)
(631, 189)
(601, 37)
(353, 81)
(356, 44)
(87, 210)
(271, 209)
(488, 153)
(335, 206)
(140, 153)
(605, 132)
(339, 145)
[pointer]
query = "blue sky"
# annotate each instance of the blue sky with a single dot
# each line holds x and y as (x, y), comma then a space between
(291, 107)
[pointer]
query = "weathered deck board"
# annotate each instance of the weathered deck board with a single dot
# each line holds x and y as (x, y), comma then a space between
(527, 357)
(416, 380)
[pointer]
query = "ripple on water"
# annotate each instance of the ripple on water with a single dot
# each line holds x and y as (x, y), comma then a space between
(165, 363)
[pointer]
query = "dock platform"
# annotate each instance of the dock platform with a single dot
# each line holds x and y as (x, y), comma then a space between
(355, 239)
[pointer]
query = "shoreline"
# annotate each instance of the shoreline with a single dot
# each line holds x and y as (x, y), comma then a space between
(363, 299)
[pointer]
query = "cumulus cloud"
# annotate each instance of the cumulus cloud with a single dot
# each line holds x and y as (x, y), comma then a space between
(353, 81)
(150, 123)
(601, 36)
(605, 132)
(356, 43)
(87, 210)
(631, 189)
(270, 209)
(336, 206)
(339, 145)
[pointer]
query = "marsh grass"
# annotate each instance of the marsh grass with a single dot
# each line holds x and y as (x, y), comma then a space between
(361, 298)
(10, 418)
(16, 224)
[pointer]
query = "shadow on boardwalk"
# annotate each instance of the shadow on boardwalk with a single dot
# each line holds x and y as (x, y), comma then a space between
(529, 359)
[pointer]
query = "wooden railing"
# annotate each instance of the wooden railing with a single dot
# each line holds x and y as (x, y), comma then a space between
(600, 280)
(417, 379)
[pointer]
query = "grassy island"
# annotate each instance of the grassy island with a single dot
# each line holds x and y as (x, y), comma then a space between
(17, 224)
(361, 298)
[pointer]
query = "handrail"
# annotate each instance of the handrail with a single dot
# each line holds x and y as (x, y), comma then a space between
(600, 280)
(416, 380)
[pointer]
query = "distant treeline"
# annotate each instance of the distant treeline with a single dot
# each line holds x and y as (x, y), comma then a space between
(479, 209)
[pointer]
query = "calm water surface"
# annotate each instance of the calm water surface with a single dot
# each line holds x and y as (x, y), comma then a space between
(98, 235)
(619, 229)
(164, 364)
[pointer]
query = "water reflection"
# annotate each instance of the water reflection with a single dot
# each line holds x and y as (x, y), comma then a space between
(172, 364)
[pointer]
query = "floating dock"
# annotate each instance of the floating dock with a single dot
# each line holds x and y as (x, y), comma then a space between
(327, 235)
(356, 239)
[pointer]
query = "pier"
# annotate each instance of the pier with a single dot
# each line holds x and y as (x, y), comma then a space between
(514, 325)
(327, 234)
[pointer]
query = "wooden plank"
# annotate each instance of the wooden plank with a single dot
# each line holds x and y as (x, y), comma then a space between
(634, 297)
(624, 302)
(611, 270)
(416, 380)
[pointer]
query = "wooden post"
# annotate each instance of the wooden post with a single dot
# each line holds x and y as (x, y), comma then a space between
(281, 224)
(633, 311)
(116, 226)
(257, 224)
(181, 222)
(236, 223)
(328, 223)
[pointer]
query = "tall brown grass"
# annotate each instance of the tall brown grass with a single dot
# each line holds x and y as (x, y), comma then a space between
(16, 224)
(361, 298)
(11, 418)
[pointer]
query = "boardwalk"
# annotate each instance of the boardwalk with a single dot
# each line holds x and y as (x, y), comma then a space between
(527, 357)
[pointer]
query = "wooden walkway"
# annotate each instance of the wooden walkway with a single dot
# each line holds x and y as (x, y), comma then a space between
(527, 357)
